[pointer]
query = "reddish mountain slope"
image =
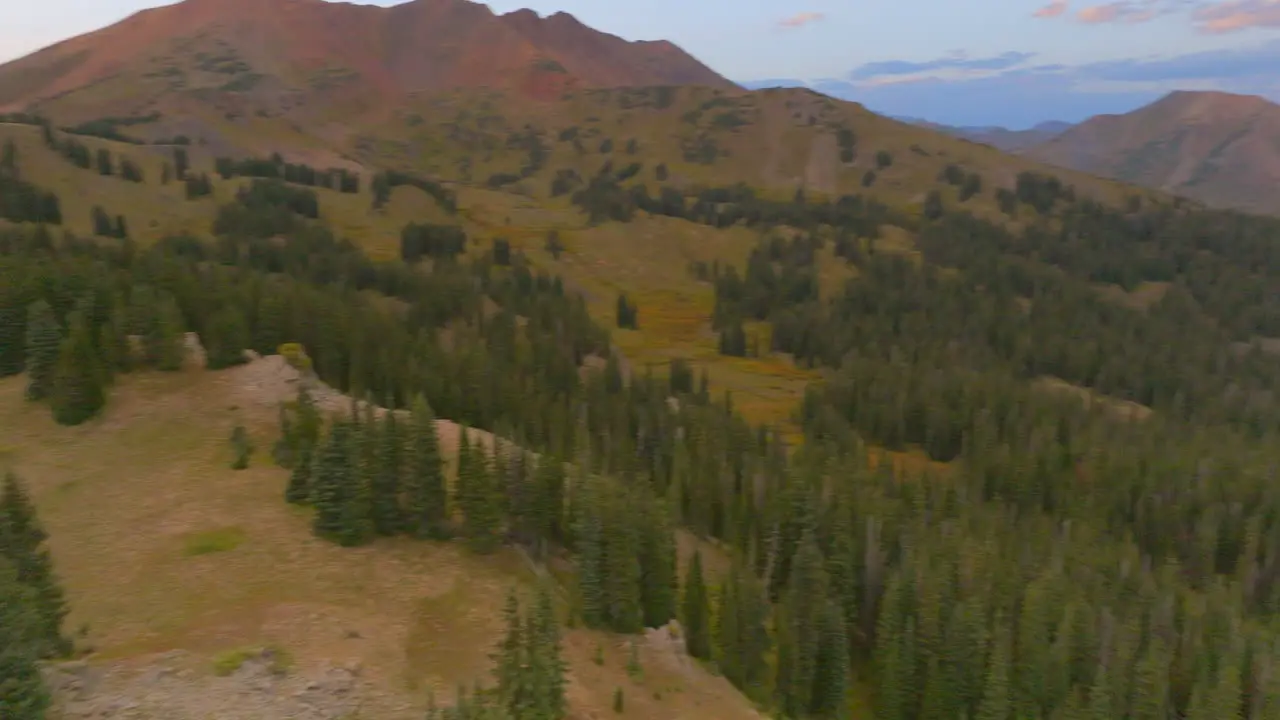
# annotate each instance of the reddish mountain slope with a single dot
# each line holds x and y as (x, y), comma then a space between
(312, 45)
(1216, 147)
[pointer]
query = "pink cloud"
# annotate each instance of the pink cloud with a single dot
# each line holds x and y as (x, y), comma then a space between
(1052, 10)
(801, 19)
(1224, 17)
(1125, 11)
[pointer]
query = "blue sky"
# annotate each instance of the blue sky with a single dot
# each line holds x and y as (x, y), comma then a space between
(1008, 62)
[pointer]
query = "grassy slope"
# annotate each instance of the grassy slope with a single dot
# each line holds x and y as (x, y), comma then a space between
(129, 498)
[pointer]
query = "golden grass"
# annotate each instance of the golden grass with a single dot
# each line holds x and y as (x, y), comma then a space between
(128, 496)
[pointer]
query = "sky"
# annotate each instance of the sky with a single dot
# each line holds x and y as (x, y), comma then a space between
(1012, 63)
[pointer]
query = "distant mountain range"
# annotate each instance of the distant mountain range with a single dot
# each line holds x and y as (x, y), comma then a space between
(1002, 138)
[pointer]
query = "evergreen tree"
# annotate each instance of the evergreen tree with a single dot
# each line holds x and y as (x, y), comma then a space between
(547, 663)
(226, 338)
(357, 507)
(659, 582)
(480, 498)
(387, 516)
(803, 612)
(23, 695)
(511, 669)
(332, 480)
(44, 339)
(547, 506)
(22, 541)
(425, 496)
(241, 447)
(79, 378)
(695, 613)
(996, 703)
(166, 336)
(299, 491)
(831, 676)
(105, 166)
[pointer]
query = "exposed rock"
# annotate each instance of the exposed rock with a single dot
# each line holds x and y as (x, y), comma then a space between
(182, 686)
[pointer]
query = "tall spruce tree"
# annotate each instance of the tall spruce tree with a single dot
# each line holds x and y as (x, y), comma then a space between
(357, 506)
(23, 695)
(22, 541)
(299, 491)
(695, 612)
(165, 337)
(385, 491)
(79, 377)
(332, 480)
(425, 495)
(548, 503)
(44, 338)
(481, 500)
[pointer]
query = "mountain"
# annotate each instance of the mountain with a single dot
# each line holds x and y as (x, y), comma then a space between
(998, 137)
(311, 52)
(1215, 147)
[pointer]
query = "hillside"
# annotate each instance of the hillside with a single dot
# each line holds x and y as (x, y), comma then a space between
(1215, 147)
(175, 563)
(783, 407)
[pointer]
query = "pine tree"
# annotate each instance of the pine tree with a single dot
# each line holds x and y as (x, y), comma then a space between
(357, 506)
(831, 676)
(996, 704)
(549, 667)
(23, 695)
(588, 540)
(105, 166)
(511, 661)
(226, 338)
(21, 542)
(481, 501)
(548, 503)
(331, 481)
(425, 495)
(385, 492)
(241, 447)
(44, 339)
(694, 611)
(165, 338)
(659, 575)
(79, 377)
(299, 492)
(803, 611)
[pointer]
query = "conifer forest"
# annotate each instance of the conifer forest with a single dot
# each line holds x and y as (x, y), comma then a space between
(1060, 558)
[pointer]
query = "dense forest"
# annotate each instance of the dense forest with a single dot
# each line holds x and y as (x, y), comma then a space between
(1071, 561)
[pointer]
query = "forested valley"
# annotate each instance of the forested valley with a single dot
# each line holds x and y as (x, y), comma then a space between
(1070, 560)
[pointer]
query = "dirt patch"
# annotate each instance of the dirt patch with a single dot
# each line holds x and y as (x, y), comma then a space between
(257, 685)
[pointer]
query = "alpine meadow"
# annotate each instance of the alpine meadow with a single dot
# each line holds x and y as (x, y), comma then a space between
(367, 363)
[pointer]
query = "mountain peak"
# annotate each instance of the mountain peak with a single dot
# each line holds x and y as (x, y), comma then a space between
(417, 46)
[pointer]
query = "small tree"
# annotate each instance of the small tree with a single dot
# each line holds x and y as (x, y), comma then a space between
(241, 447)
(43, 340)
